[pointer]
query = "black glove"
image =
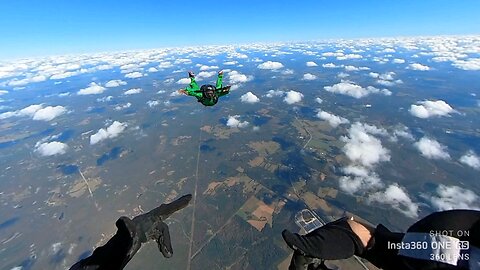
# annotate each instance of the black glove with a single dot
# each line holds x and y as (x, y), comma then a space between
(131, 233)
(150, 226)
(333, 241)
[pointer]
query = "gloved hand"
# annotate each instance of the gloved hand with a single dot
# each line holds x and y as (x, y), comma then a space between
(131, 233)
(150, 226)
(333, 241)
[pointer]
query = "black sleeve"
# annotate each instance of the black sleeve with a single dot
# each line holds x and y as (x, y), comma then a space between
(112, 256)
(378, 251)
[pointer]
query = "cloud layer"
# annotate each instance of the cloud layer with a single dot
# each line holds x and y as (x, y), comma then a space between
(36, 112)
(354, 90)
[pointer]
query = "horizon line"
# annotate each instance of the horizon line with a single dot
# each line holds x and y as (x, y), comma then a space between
(235, 45)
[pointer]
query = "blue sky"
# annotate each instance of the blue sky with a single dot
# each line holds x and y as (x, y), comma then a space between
(36, 28)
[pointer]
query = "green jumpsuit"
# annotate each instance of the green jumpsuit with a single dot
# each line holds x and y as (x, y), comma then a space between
(194, 90)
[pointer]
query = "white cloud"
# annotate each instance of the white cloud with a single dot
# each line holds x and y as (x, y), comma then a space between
(249, 98)
(208, 67)
(105, 99)
(123, 106)
(318, 100)
(165, 64)
(287, 72)
(336, 54)
(274, 93)
(183, 81)
(92, 89)
(205, 74)
(51, 148)
(471, 159)
(358, 179)
(388, 76)
(385, 83)
(374, 75)
(403, 132)
(3, 92)
(130, 67)
(332, 119)
(270, 65)
(37, 112)
(293, 97)
(351, 68)
(349, 56)
(230, 63)
(470, 64)
(30, 110)
(354, 68)
(110, 132)
(343, 75)
(168, 81)
(429, 108)
(311, 64)
(152, 69)
(454, 197)
(417, 66)
(153, 103)
(234, 122)
(133, 91)
(236, 77)
(64, 75)
(398, 61)
(330, 65)
(353, 90)
(309, 77)
(28, 80)
(49, 113)
(430, 148)
(363, 148)
(134, 75)
(398, 198)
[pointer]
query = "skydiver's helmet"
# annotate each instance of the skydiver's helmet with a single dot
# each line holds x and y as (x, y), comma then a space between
(208, 92)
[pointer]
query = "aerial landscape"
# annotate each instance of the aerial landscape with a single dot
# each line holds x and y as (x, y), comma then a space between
(385, 129)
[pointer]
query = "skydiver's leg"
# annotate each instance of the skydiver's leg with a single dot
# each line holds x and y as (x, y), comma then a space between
(219, 83)
(193, 86)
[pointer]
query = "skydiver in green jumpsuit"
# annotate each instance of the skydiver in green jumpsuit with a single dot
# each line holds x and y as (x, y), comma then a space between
(207, 94)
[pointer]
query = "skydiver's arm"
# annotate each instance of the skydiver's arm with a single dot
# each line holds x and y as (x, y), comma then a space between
(193, 92)
(222, 91)
(219, 94)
